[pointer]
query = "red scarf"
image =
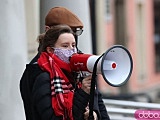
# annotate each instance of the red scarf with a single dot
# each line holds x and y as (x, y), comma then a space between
(62, 90)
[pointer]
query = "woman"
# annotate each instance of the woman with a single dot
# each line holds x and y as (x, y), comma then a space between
(57, 95)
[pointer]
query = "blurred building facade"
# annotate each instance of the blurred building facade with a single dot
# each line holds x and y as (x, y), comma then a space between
(136, 25)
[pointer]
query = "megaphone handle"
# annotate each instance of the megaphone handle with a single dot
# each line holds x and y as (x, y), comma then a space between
(92, 89)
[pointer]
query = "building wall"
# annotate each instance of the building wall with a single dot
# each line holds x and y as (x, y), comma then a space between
(13, 50)
(32, 11)
(139, 17)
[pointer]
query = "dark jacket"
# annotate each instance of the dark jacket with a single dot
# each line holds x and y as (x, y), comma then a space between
(36, 94)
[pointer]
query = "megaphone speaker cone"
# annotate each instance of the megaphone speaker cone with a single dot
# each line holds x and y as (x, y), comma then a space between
(122, 66)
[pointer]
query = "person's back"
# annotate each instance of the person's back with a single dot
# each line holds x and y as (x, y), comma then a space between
(26, 86)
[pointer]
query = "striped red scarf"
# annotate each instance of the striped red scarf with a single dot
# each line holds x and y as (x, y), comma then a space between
(62, 90)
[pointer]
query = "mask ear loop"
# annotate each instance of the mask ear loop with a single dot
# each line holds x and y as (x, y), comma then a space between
(53, 49)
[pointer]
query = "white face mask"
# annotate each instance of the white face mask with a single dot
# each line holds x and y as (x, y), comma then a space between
(64, 54)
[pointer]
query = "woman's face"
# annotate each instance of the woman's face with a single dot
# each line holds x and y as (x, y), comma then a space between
(65, 41)
(65, 47)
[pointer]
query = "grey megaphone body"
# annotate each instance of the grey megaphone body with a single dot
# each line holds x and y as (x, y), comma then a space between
(115, 64)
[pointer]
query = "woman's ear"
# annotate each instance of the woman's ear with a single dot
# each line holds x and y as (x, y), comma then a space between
(49, 50)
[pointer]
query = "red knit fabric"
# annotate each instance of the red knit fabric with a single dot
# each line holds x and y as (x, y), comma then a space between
(62, 90)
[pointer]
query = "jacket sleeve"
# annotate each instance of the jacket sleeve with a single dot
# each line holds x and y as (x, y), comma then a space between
(41, 98)
(80, 102)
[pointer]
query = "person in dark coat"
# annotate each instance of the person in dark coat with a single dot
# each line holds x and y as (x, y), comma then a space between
(35, 87)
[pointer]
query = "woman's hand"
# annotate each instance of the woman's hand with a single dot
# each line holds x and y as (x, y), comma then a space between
(86, 114)
(86, 84)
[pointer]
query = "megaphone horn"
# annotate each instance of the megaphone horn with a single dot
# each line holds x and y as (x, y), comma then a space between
(115, 64)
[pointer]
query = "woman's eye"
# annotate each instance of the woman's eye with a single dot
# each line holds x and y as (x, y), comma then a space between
(65, 46)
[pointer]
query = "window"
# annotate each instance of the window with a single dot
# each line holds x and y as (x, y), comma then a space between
(108, 9)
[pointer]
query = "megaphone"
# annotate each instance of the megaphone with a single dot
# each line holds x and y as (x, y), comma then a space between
(115, 64)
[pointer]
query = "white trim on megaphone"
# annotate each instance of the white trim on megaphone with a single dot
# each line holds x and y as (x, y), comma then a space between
(115, 64)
